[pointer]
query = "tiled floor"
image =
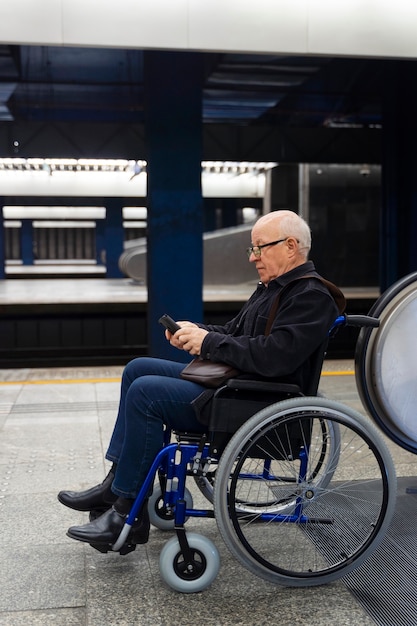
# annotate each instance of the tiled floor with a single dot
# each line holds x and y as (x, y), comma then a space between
(55, 426)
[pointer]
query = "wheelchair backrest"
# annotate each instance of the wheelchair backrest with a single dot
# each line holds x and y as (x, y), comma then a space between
(316, 361)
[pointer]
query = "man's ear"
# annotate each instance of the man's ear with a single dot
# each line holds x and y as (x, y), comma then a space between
(292, 244)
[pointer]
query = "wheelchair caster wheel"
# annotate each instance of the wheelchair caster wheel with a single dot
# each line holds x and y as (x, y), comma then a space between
(194, 575)
(158, 515)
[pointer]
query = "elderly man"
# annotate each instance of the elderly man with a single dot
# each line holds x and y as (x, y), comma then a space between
(154, 396)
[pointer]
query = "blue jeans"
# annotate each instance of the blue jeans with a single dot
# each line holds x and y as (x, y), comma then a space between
(153, 396)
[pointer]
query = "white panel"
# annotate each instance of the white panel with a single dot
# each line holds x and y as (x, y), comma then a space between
(380, 28)
(245, 25)
(82, 184)
(126, 23)
(54, 212)
(63, 224)
(227, 186)
(363, 28)
(116, 184)
(135, 212)
(31, 22)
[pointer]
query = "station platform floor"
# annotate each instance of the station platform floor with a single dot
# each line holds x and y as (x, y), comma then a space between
(47, 291)
(54, 428)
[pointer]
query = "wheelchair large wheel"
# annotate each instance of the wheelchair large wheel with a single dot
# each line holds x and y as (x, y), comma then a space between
(332, 519)
(327, 445)
(386, 361)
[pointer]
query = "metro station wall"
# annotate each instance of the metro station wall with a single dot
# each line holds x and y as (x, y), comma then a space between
(345, 222)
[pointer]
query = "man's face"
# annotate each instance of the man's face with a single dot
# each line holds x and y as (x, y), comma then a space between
(273, 260)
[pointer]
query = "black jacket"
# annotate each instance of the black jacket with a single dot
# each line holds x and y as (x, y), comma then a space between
(305, 314)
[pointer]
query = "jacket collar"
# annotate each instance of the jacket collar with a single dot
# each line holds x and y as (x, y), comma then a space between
(288, 277)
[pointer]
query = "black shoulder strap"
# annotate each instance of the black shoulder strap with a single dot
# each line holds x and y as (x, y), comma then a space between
(334, 291)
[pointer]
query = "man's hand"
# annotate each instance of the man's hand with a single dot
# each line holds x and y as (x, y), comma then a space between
(189, 338)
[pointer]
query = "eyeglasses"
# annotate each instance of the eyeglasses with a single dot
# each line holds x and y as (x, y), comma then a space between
(257, 250)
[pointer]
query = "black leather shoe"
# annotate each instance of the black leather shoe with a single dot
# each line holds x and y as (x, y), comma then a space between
(98, 498)
(106, 529)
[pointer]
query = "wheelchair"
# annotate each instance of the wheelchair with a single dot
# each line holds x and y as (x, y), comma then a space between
(302, 488)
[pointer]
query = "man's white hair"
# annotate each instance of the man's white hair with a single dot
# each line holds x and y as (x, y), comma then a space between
(290, 224)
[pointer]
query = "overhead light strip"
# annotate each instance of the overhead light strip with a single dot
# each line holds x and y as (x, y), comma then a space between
(133, 168)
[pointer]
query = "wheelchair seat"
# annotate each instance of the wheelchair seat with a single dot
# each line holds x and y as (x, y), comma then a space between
(240, 398)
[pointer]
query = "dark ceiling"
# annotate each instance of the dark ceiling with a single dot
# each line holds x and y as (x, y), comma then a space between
(87, 102)
(86, 84)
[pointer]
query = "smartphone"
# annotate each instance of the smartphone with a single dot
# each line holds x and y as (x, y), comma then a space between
(169, 323)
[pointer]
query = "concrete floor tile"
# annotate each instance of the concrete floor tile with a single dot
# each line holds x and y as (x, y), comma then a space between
(55, 394)
(30, 520)
(52, 617)
(41, 577)
(121, 589)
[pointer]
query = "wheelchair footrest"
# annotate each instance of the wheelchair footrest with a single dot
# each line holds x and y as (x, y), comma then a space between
(105, 548)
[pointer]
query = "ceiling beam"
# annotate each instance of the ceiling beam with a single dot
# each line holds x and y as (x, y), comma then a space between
(220, 142)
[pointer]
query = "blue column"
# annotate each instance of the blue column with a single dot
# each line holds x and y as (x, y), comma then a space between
(399, 166)
(101, 242)
(113, 236)
(26, 242)
(2, 243)
(173, 127)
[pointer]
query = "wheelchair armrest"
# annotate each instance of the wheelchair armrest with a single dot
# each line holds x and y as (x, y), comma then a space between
(263, 386)
(362, 320)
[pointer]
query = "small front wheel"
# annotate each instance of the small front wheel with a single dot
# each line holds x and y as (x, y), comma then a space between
(195, 574)
(159, 516)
